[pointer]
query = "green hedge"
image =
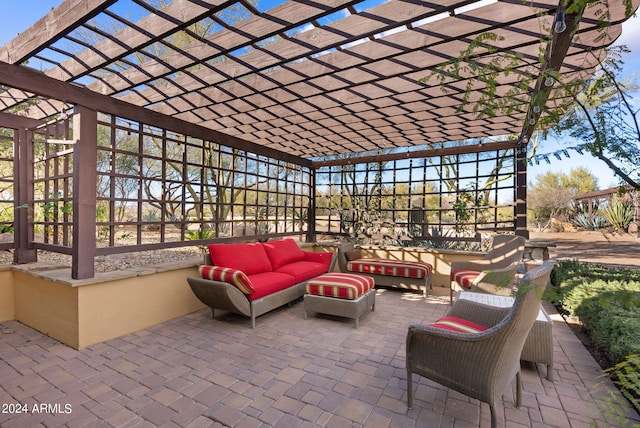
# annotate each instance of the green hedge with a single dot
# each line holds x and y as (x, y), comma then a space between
(607, 302)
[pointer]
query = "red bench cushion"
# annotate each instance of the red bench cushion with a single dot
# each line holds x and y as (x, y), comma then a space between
(464, 278)
(232, 276)
(458, 324)
(386, 267)
(340, 285)
(249, 258)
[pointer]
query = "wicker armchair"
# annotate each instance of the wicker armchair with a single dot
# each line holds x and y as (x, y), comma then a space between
(494, 273)
(480, 365)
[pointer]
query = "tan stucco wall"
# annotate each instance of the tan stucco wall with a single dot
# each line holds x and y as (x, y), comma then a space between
(7, 295)
(47, 306)
(112, 309)
(82, 313)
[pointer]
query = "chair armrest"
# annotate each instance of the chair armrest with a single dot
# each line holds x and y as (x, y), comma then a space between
(497, 272)
(477, 265)
(479, 313)
(482, 265)
(499, 281)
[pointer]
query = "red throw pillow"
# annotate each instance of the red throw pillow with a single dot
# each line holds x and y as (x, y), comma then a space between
(249, 258)
(232, 276)
(283, 252)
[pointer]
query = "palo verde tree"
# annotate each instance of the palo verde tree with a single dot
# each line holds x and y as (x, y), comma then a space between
(604, 120)
(600, 113)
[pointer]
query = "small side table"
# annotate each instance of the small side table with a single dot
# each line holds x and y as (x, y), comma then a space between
(539, 345)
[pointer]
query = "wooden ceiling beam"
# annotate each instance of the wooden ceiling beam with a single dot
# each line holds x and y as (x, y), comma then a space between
(49, 29)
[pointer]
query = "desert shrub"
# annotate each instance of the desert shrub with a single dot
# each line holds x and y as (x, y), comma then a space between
(627, 376)
(607, 302)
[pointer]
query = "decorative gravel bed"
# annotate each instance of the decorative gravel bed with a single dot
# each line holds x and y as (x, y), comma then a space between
(115, 262)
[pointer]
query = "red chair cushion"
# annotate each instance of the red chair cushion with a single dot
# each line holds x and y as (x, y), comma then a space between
(458, 324)
(386, 267)
(464, 278)
(340, 285)
(232, 276)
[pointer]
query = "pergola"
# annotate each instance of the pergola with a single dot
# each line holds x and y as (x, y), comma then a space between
(301, 83)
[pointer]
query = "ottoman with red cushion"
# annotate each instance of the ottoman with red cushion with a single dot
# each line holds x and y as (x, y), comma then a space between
(340, 294)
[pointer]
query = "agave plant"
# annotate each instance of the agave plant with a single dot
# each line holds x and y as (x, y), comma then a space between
(619, 214)
(194, 235)
(587, 222)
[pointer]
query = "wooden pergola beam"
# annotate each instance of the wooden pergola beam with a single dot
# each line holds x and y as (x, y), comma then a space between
(419, 154)
(13, 121)
(37, 83)
(51, 28)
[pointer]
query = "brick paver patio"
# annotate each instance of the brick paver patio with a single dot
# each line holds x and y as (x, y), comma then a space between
(289, 372)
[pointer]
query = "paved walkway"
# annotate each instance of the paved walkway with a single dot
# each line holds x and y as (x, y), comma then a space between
(592, 246)
(289, 372)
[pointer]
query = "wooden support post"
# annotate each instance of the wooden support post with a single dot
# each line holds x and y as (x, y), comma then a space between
(23, 202)
(311, 210)
(84, 193)
(521, 191)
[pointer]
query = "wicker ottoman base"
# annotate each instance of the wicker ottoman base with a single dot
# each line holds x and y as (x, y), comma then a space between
(353, 308)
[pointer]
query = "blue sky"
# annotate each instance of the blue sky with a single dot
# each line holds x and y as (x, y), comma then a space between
(20, 15)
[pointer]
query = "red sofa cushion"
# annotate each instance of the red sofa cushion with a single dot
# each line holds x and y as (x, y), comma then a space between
(283, 252)
(249, 258)
(303, 270)
(386, 267)
(341, 285)
(458, 324)
(464, 278)
(268, 283)
(224, 274)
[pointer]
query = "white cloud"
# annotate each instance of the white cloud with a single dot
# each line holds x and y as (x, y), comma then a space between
(630, 34)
